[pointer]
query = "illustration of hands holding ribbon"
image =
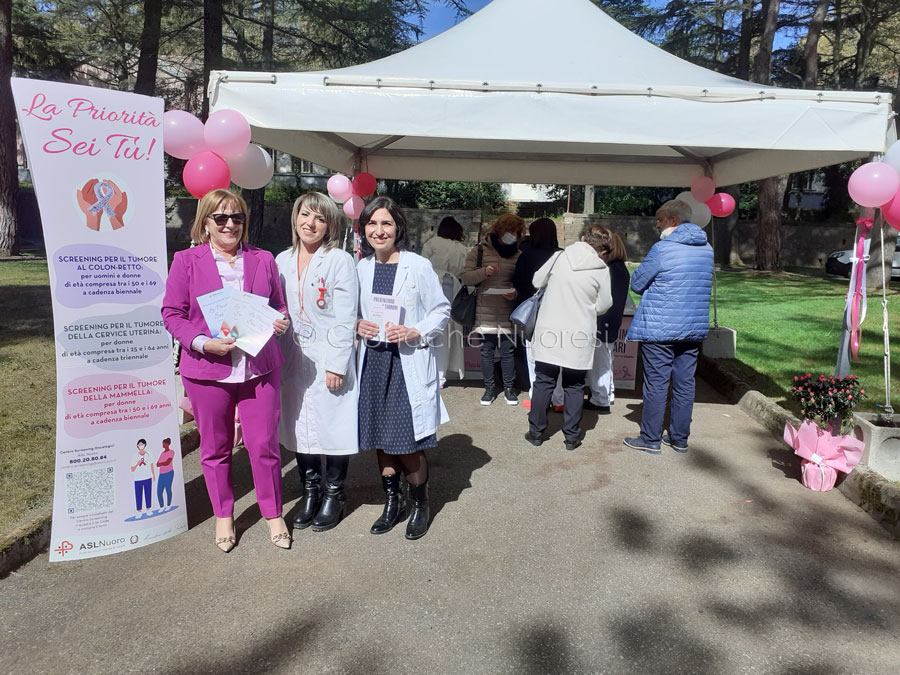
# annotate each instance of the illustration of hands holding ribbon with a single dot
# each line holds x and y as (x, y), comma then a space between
(98, 197)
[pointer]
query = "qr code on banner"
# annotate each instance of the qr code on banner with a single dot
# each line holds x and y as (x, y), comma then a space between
(90, 489)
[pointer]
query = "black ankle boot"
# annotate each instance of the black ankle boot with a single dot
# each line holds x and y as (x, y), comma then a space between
(309, 507)
(331, 511)
(418, 519)
(394, 506)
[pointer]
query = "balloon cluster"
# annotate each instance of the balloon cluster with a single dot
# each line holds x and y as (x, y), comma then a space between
(217, 153)
(705, 202)
(351, 192)
(877, 184)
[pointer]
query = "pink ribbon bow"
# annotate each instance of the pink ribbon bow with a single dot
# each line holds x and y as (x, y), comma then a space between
(823, 449)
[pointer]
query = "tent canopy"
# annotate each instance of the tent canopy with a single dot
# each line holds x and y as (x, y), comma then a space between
(530, 91)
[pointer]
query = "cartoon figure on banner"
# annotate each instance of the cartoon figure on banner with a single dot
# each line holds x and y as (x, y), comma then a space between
(144, 476)
(97, 198)
(166, 474)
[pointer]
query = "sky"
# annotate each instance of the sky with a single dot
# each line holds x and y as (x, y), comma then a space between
(440, 18)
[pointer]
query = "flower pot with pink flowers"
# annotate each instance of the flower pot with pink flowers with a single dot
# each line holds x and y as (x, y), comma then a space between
(824, 439)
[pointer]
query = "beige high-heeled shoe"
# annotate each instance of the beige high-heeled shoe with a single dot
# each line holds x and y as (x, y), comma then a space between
(226, 544)
(282, 539)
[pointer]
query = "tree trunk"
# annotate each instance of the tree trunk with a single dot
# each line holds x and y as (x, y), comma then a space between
(837, 44)
(867, 28)
(768, 223)
(148, 60)
(811, 49)
(771, 190)
(256, 199)
(762, 63)
(9, 174)
(874, 278)
(746, 41)
(725, 251)
(212, 47)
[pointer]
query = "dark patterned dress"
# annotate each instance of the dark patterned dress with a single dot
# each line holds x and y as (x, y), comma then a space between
(385, 416)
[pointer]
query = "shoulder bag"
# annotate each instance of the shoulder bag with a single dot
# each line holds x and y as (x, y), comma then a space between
(462, 310)
(525, 315)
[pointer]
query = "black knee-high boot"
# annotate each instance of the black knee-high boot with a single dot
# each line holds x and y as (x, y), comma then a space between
(394, 506)
(418, 519)
(310, 469)
(332, 509)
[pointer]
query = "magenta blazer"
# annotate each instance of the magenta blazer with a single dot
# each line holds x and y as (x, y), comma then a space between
(194, 273)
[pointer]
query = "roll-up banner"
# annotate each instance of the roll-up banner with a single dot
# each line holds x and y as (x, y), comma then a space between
(96, 160)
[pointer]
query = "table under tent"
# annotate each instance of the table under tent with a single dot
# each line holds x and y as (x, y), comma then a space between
(527, 91)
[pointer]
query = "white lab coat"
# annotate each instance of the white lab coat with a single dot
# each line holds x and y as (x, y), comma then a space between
(425, 308)
(315, 420)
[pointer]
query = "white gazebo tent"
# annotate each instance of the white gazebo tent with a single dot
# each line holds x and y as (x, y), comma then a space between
(531, 91)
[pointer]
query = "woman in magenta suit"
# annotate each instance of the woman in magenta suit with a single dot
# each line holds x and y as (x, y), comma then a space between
(217, 375)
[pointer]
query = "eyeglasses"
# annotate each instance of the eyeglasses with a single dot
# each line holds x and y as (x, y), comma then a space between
(221, 219)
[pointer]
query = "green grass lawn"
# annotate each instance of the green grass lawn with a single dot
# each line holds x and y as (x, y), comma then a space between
(27, 391)
(789, 323)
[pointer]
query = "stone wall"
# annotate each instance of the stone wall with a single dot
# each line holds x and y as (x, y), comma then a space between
(803, 245)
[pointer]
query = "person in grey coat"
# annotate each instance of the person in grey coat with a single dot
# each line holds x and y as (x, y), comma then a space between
(671, 321)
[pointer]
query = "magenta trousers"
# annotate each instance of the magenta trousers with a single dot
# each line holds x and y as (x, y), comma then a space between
(259, 406)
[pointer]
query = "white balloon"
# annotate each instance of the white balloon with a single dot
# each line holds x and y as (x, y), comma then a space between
(892, 156)
(701, 215)
(252, 169)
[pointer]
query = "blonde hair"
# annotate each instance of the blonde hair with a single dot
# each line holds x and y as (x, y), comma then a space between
(210, 203)
(334, 221)
(508, 222)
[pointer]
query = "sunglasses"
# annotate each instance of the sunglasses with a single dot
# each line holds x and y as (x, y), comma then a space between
(221, 219)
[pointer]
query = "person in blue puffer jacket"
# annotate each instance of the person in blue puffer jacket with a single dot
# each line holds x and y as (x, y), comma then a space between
(671, 321)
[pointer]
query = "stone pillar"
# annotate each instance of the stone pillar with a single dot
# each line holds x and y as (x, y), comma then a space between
(588, 199)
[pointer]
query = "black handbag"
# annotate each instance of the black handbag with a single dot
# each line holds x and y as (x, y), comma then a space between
(462, 310)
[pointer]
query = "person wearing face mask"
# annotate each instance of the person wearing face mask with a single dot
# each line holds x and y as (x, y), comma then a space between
(498, 253)
(671, 321)
(318, 378)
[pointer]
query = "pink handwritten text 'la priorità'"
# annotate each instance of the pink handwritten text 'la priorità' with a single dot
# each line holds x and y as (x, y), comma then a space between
(83, 107)
(63, 140)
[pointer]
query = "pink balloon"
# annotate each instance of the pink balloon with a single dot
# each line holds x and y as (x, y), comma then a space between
(703, 188)
(182, 134)
(873, 184)
(354, 206)
(364, 185)
(721, 204)
(339, 187)
(227, 132)
(891, 211)
(252, 169)
(204, 172)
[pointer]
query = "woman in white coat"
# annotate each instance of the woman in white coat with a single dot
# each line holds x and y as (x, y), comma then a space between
(318, 378)
(578, 289)
(447, 255)
(400, 405)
